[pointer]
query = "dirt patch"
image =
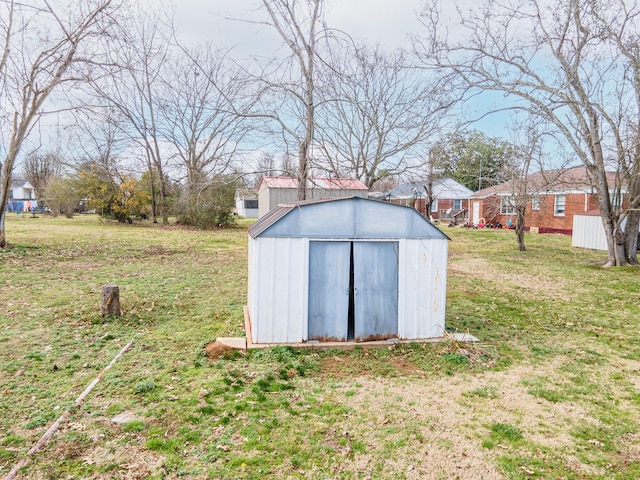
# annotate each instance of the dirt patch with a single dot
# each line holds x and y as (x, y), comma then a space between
(216, 349)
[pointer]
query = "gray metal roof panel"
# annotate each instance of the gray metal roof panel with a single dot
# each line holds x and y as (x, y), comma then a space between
(345, 218)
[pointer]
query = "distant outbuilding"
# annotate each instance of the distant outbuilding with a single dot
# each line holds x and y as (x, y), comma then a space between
(345, 269)
(588, 231)
(272, 191)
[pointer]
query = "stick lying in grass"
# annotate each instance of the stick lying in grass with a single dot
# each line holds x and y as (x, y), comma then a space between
(54, 427)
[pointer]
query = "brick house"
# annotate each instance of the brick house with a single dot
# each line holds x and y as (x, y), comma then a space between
(559, 195)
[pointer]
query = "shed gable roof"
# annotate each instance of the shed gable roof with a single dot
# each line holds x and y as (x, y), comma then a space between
(354, 218)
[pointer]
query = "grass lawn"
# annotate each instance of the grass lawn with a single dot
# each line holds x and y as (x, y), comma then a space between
(552, 391)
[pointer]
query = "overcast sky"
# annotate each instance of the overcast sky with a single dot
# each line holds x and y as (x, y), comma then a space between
(389, 23)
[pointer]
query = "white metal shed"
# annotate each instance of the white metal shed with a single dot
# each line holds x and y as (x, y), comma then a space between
(588, 231)
(346, 269)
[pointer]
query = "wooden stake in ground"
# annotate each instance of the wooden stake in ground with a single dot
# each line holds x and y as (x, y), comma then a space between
(54, 427)
(110, 300)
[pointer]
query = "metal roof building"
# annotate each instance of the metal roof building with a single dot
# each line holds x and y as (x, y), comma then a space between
(272, 191)
(345, 269)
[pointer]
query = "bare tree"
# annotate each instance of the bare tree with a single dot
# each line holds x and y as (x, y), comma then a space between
(526, 177)
(375, 112)
(288, 94)
(43, 50)
(40, 169)
(197, 119)
(577, 66)
(136, 92)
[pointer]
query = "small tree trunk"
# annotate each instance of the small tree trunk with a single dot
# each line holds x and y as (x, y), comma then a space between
(521, 210)
(110, 300)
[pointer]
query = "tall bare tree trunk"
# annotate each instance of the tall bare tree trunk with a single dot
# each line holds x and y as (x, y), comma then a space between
(284, 15)
(5, 188)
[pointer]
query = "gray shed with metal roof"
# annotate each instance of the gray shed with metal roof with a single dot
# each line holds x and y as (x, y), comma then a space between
(345, 269)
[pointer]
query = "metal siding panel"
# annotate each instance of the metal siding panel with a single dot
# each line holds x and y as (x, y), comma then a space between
(251, 281)
(378, 220)
(262, 314)
(299, 273)
(588, 232)
(328, 290)
(406, 300)
(263, 202)
(438, 268)
(423, 294)
(282, 283)
(328, 220)
(376, 290)
(279, 282)
(283, 195)
(304, 266)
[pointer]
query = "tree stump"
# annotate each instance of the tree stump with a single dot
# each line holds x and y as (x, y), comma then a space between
(110, 300)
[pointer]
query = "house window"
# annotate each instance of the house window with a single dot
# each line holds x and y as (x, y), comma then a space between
(506, 205)
(535, 202)
(434, 205)
(559, 205)
(457, 204)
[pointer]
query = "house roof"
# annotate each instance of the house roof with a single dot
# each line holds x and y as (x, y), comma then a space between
(349, 217)
(443, 188)
(549, 181)
(315, 182)
(17, 182)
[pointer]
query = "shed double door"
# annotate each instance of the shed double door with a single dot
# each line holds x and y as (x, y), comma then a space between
(353, 291)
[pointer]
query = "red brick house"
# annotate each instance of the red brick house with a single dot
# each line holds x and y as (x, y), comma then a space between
(556, 196)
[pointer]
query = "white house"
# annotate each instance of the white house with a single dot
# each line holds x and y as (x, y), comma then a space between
(21, 197)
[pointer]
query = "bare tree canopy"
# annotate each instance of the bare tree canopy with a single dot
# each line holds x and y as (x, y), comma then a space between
(575, 64)
(45, 48)
(197, 119)
(134, 89)
(375, 112)
(40, 169)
